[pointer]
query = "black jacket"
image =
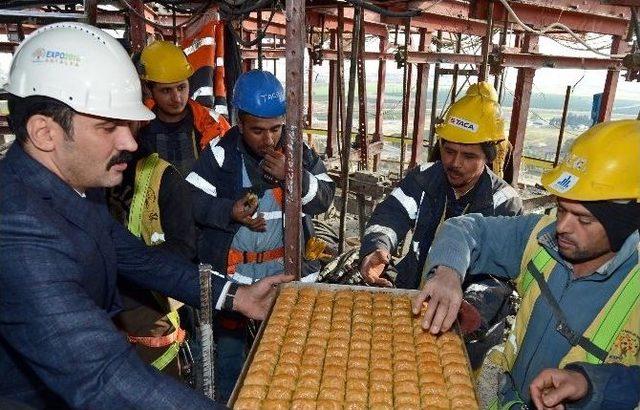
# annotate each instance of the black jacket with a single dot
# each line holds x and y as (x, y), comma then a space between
(216, 182)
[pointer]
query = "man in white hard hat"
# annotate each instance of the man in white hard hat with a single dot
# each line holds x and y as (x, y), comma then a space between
(73, 93)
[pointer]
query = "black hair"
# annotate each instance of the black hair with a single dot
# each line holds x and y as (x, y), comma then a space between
(21, 109)
(489, 148)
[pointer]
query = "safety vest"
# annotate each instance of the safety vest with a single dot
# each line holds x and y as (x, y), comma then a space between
(208, 124)
(144, 222)
(236, 257)
(614, 329)
(205, 53)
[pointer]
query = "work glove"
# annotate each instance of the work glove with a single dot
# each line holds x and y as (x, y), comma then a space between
(468, 318)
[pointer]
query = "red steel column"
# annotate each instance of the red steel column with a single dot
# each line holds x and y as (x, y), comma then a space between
(382, 74)
(520, 112)
(138, 29)
(293, 136)
(610, 85)
(332, 117)
(422, 78)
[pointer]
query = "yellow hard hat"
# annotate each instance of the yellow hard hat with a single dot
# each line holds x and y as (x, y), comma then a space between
(164, 62)
(475, 118)
(602, 164)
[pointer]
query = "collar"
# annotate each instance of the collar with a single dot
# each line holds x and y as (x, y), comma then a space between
(547, 238)
(479, 197)
(62, 197)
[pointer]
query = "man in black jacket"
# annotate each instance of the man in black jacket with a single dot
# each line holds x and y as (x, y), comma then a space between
(459, 183)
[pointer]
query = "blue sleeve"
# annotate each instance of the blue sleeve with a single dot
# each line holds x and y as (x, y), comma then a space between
(611, 386)
(49, 320)
(158, 269)
(476, 244)
(209, 209)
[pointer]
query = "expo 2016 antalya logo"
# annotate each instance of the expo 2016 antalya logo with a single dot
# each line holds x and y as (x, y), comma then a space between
(40, 55)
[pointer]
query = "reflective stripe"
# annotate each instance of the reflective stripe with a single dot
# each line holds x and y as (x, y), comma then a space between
(157, 237)
(385, 230)
(141, 186)
(271, 215)
(223, 295)
(219, 61)
(199, 42)
(313, 189)
(503, 195)
(616, 316)
(476, 287)
(201, 183)
(214, 142)
(539, 261)
(407, 202)
(171, 353)
(202, 91)
(242, 279)
(324, 177)
(426, 166)
(215, 115)
(221, 109)
(218, 154)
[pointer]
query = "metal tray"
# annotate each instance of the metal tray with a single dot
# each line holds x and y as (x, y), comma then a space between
(330, 287)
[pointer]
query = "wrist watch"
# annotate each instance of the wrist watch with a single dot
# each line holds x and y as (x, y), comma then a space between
(230, 296)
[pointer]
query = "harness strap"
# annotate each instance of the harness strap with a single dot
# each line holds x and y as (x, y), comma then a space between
(237, 257)
(140, 193)
(562, 325)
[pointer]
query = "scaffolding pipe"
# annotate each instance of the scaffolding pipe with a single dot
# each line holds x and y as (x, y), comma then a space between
(295, 12)
(565, 109)
(484, 68)
(346, 133)
(406, 96)
(456, 71)
(434, 96)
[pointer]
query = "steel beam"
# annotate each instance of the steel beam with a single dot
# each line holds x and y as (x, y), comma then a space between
(516, 60)
(91, 11)
(586, 16)
(520, 112)
(362, 101)
(486, 45)
(611, 84)
(422, 79)
(434, 98)
(372, 23)
(293, 137)
(137, 27)
(37, 16)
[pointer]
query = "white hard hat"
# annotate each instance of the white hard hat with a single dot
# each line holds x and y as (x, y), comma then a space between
(81, 66)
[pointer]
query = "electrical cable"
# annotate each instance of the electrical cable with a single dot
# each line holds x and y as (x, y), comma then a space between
(196, 16)
(232, 10)
(544, 30)
(259, 36)
(384, 12)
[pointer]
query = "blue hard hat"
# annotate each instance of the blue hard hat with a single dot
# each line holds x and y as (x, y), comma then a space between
(259, 93)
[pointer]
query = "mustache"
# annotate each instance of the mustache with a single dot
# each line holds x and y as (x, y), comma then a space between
(565, 238)
(121, 158)
(452, 171)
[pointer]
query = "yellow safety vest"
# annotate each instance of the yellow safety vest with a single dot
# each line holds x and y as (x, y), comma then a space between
(144, 222)
(615, 329)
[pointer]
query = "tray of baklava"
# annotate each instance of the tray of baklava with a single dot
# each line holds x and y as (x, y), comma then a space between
(350, 347)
